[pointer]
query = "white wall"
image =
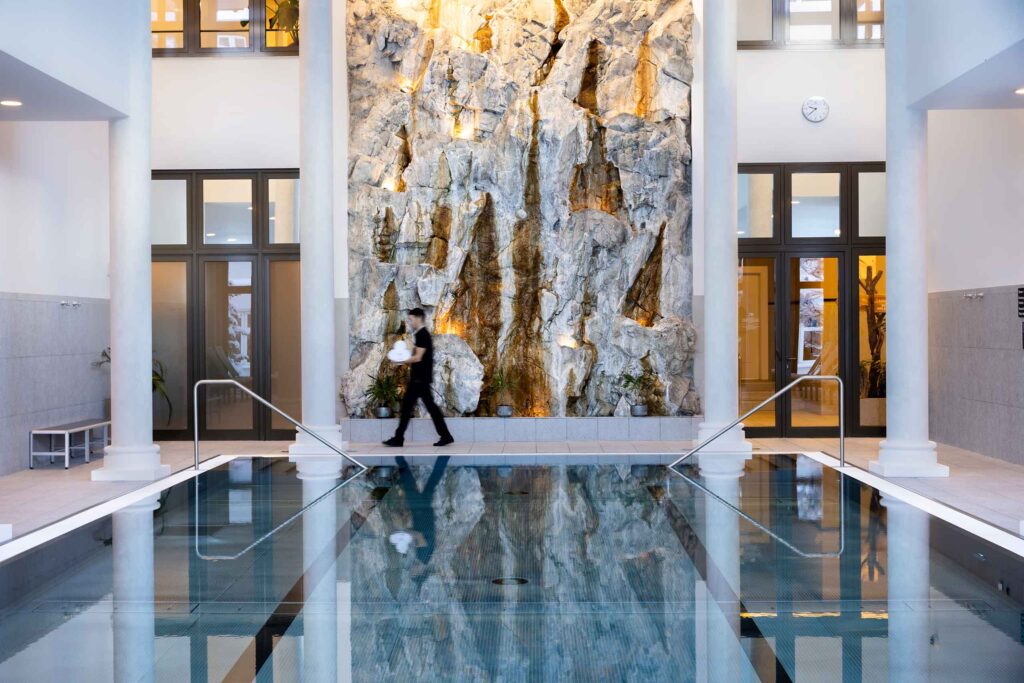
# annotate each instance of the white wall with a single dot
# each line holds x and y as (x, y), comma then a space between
(77, 43)
(975, 190)
(54, 199)
(226, 112)
(951, 37)
(773, 85)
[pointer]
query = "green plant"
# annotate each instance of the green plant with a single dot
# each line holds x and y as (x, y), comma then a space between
(384, 391)
(159, 380)
(283, 15)
(636, 385)
(502, 385)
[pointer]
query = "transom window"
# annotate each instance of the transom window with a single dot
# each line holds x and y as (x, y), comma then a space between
(204, 27)
(795, 23)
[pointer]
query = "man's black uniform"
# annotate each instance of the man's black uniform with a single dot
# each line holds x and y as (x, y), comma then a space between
(421, 376)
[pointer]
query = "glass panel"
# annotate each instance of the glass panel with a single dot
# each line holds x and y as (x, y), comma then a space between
(814, 339)
(229, 342)
(285, 338)
(757, 339)
(813, 20)
(755, 20)
(227, 211)
(815, 200)
(282, 27)
(167, 22)
(871, 204)
(224, 23)
(283, 210)
(168, 211)
(871, 339)
(170, 344)
(870, 19)
(756, 205)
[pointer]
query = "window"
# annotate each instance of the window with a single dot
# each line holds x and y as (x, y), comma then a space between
(814, 201)
(283, 211)
(871, 203)
(756, 195)
(168, 211)
(227, 211)
(796, 23)
(203, 27)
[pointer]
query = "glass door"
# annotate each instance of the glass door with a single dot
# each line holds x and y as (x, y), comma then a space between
(758, 350)
(283, 357)
(813, 342)
(228, 347)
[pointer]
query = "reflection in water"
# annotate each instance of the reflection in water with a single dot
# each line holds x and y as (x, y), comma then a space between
(620, 574)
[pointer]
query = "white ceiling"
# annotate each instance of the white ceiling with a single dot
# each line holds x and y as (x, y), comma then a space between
(45, 98)
(990, 85)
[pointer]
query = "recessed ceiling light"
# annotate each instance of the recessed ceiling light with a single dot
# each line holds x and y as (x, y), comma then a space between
(1019, 91)
(232, 239)
(10, 103)
(250, 208)
(795, 201)
(273, 218)
(211, 234)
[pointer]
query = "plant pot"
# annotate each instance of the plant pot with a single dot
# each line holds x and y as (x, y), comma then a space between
(383, 412)
(638, 411)
(504, 411)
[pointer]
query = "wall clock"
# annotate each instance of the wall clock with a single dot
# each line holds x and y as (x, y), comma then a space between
(815, 109)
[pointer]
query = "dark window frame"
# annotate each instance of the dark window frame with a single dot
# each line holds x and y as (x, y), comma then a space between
(192, 36)
(780, 31)
(195, 254)
(849, 246)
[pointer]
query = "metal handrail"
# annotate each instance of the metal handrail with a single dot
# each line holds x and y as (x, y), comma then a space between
(842, 463)
(259, 399)
(780, 392)
(293, 517)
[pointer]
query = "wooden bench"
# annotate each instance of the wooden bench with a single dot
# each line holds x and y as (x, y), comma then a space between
(84, 427)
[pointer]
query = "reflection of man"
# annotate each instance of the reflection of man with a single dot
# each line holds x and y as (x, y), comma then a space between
(421, 376)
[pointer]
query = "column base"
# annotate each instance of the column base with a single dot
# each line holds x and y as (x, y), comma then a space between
(131, 463)
(733, 442)
(907, 459)
(306, 448)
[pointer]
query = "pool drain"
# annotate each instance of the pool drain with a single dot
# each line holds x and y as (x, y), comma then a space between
(510, 581)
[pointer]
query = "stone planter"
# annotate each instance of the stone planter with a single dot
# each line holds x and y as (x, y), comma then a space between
(638, 410)
(504, 411)
(383, 412)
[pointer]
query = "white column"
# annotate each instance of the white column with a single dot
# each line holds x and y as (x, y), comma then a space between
(320, 569)
(134, 584)
(906, 451)
(908, 596)
(319, 385)
(132, 455)
(721, 376)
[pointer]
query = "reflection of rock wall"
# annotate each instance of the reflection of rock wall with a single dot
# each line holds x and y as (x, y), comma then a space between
(521, 170)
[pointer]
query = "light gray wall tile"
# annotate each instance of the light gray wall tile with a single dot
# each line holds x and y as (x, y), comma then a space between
(366, 430)
(581, 429)
(520, 429)
(551, 428)
(644, 428)
(613, 429)
(489, 429)
(676, 428)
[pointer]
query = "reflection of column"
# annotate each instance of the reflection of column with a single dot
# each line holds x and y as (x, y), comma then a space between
(132, 455)
(319, 564)
(906, 451)
(316, 207)
(721, 376)
(721, 474)
(134, 626)
(909, 632)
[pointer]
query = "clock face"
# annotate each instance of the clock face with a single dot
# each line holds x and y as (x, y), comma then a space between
(815, 109)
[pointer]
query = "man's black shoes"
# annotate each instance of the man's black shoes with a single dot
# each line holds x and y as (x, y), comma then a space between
(445, 441)
(395, 442)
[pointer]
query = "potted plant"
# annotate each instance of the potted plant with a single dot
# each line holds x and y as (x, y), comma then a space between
(503, 384)
(635, 386)
(384, 393)
(159, 379)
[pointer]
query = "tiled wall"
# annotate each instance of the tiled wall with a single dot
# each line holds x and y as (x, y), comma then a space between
(976, 371)
(46, 374)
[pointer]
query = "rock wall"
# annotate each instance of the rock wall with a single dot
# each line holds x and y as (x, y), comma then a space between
(521, 170)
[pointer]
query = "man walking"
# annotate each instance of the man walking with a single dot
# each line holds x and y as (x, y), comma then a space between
(421, 375)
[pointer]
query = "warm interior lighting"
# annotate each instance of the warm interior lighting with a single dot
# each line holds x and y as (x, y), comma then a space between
(406, 85)
(567, 341)
(462, 131)
(10, 103)
(389, 184)
(448, 326)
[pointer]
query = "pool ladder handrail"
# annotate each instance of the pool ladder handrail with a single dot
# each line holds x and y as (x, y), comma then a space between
(842, 463)
(259, 399)
(298, 425)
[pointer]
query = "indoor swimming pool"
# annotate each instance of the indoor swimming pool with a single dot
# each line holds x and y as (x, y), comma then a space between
(432, 570)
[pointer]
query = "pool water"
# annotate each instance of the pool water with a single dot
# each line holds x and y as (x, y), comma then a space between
(257, 571)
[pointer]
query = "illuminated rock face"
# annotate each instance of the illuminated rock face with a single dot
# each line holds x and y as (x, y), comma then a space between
(521, 170)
